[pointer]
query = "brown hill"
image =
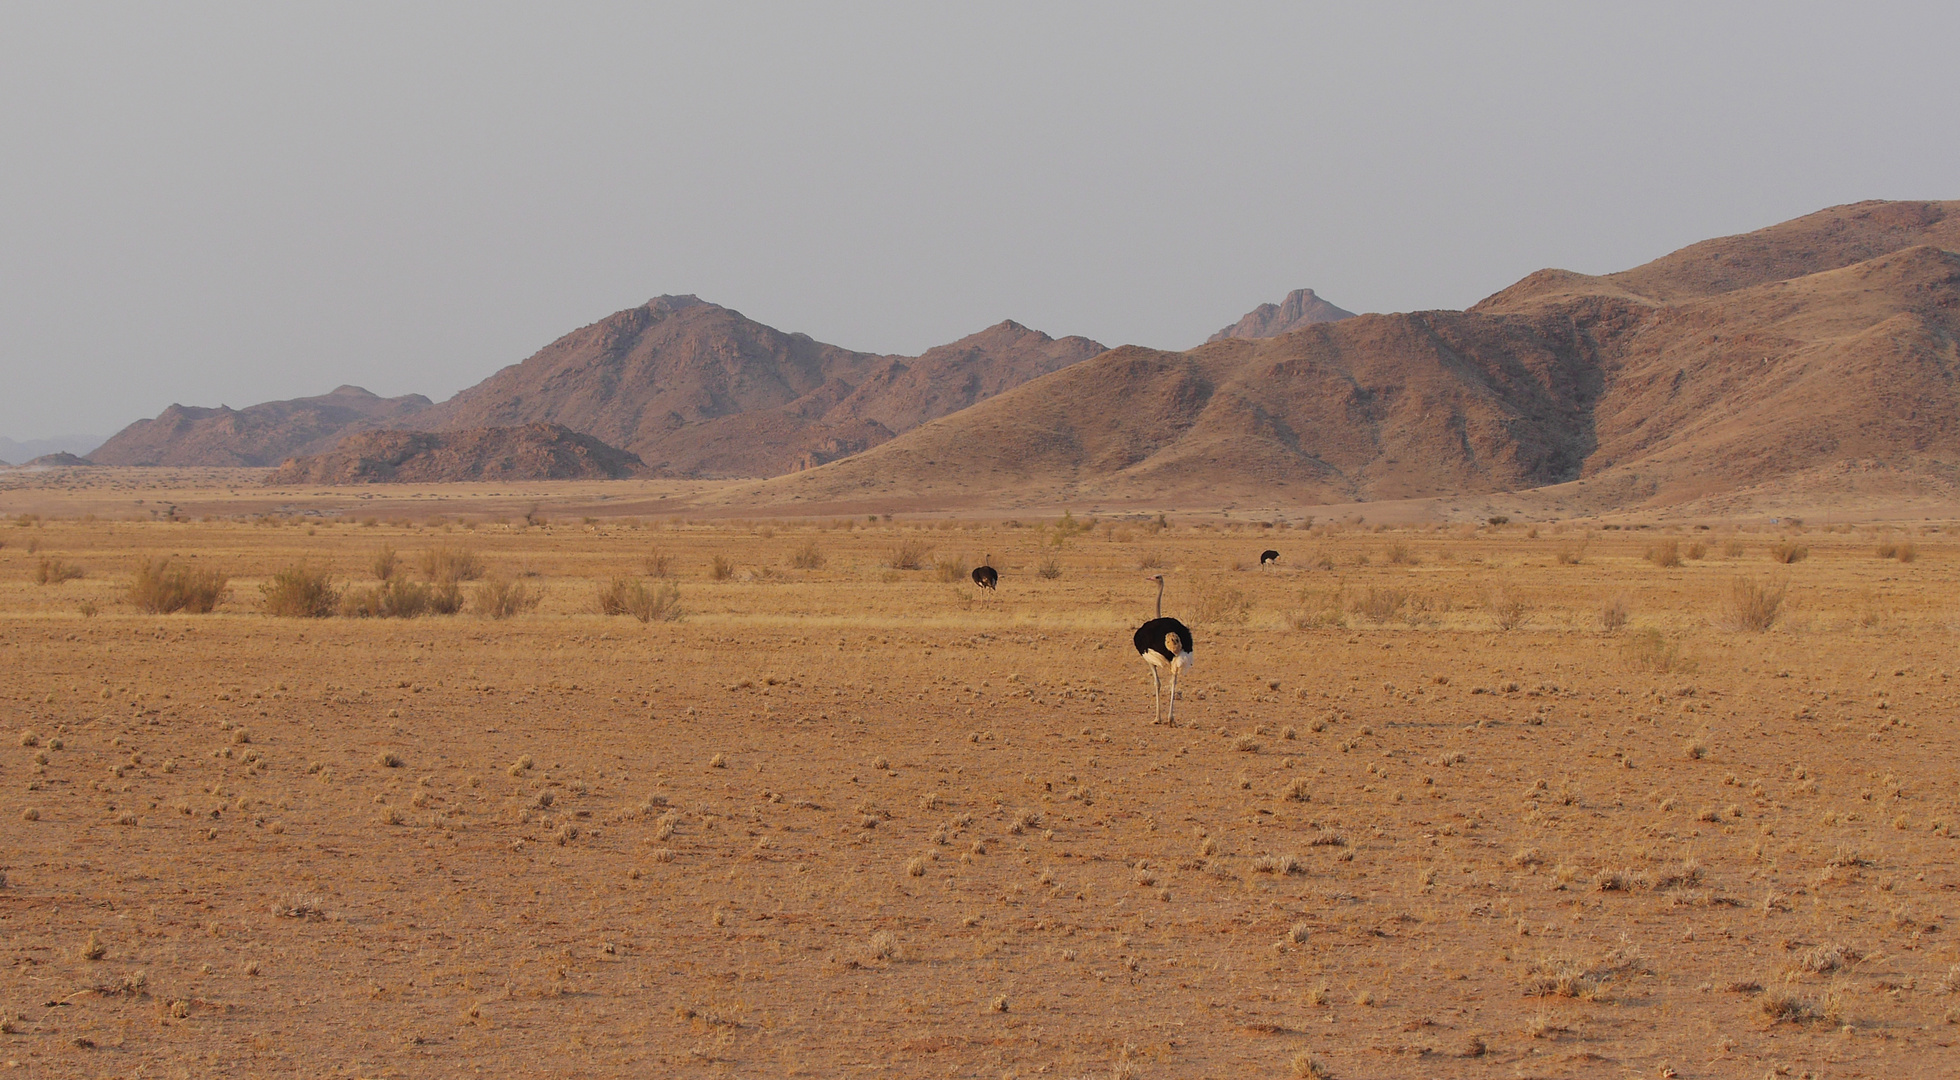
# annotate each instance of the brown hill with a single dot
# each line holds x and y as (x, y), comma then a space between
(1300, 308)
(60, 460)
(1689, 375)
(263, 434)
(700, 390)
(526, 452)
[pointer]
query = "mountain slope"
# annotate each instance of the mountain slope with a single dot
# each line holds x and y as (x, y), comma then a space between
(263, 434)
(698, 389)
(1300, 308)
(1561, 377)
(525, 452)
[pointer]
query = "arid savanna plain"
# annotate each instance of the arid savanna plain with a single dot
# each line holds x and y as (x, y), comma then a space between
(1472, 795)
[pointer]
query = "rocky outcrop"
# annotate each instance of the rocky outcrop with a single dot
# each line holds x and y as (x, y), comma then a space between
(524, 452)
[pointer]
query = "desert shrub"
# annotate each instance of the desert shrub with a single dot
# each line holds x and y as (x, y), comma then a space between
(1647, 649)
(1732, 548)
(300, 592)
(1613, 616)
(1753, 606)
(1569, 555)
(447, 565)
(722, 568)
(907, 555)
(400, 598)
(1049, 568)
(1219, 603)
(1789, 551)
(1498, 519)
(499, 597)
(810, 557)
(1399, 554)
(1904, 552)
(1320, 611)
(951, 571)
(54, 571)
(386, 564)
(1665, 554)
(162, 587)
(647, 603)
(1380, 605)
(658, 563)
(1696, 550)
(1508, 609)
(1150, 560)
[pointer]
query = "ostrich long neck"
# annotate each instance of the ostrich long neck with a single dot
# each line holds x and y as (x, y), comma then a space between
(1160, 598)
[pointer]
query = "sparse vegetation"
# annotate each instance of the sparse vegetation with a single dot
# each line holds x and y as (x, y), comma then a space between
(908, 554)
(1665, 553)
(300, 592)
(1509, 610)
(163, 587)
(401, 598)
(450, 565)
(1789, 551)
(807, 557)
(1753, 606)
(1647, 649)
(500, 597)
(52, 571)
(647, 603)
(1220, 604)
(1049, 568)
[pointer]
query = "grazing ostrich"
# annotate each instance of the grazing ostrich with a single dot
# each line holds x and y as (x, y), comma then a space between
(1164, 643)
(1268, 557)
(986, 576)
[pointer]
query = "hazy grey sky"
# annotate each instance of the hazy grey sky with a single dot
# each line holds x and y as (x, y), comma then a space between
(228, 203)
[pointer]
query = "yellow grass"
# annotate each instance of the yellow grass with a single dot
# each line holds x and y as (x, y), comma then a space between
(844, 813)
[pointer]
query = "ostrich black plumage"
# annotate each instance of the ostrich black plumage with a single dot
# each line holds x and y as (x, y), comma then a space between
(1164, 644)
(1268, 557)
(986, 576)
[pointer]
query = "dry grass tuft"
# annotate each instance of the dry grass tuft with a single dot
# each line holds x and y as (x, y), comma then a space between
(807, 557)
(52, 571)
(1752, 606)
(1380, 605)
(1049, 568)
(299, 592)
(499, 597)
(449, 565)
(1614, 613)
(1305, 1066)
(647, 603)
(1220, 604)
(1665, 553)
(400, 598)
(1789, 551)
(908, 555)
(1509, 610)
(162, 587)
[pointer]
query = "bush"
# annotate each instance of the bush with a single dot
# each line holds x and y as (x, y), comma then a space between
(1732, 548)
(722, 568)
(808, 557)
(1498, 519)
(502, 597)
(1398, 554)
(1219, 603)
(907, 555)
(1904, 552)
(400, 598)
(298, 592)
(657, 563)
(951, 571)
(385, 564)
(1050, 568)
(162, 587)
(1754, 606)
(1789, 551)
(447, 566)
(1508, 609)
(1326, 611)
(631, 596)
(1613, 616)
(1649, 650)
(1380, 605)
(54, 572)
(1665, 554)
(1571, 556)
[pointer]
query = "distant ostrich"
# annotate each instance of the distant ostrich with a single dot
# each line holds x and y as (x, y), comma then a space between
(1164, 643)
(986, 576)
(1268, 557)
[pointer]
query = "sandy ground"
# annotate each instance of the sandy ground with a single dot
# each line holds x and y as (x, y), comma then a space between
(858, 820)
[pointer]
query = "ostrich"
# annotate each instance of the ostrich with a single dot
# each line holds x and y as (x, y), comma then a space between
(1268, 557)
(1164, 643)
(986, 576)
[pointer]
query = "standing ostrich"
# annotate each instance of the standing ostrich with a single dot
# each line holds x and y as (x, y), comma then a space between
(1164, 643)
(986, 576)
(1268, 557)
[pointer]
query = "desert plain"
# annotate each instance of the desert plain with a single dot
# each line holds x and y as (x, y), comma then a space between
(1614, 796)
